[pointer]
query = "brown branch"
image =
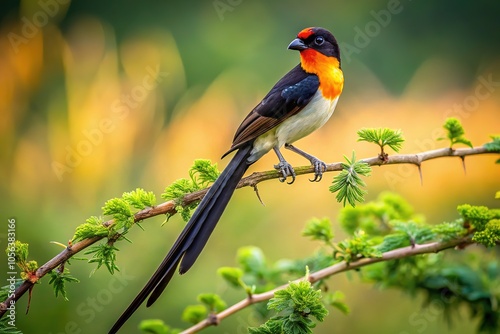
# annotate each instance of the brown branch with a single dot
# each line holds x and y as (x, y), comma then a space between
(433, 247)
(251, 180)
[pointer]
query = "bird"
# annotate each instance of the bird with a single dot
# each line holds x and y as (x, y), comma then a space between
(298, 104)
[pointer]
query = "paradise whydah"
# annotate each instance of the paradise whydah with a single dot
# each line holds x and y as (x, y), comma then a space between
(298, 104)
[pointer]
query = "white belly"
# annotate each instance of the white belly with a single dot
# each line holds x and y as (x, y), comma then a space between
(317, 112)
(312, 117)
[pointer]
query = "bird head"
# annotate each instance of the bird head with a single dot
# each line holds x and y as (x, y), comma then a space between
(314, 43)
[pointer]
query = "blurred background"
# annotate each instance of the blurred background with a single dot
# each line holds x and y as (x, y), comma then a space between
(98, 98)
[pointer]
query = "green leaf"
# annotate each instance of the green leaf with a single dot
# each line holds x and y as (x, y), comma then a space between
(93, 227)
(213, 302)
(119, 209)
(416, 233)
(139, 198)
(295, 305)
(6, 321)
(272, 326)
(232, 275)
(349, 183)
(485, 221)
(455, 132)
(382, 137)
(194, 314)
(449, 231)
(301, 298)
(176, 192)
(490, 235)
(374, 217)
(336, 300)
(59, 280)
(203, 172)
(319, 229)
(178, 189)
(252, 260)
(103, 254)
(355, 248)
(20, 252)
(156, 326)
(478, 216)
(494, 146)
(393, 241)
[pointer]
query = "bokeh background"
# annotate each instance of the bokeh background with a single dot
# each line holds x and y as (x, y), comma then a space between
(101, 97)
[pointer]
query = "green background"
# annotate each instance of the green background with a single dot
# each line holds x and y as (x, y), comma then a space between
(407, 69)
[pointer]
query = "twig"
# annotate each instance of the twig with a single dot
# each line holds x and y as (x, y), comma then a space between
(251, 180)
(337, 268)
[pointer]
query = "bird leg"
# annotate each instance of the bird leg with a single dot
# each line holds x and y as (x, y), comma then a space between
(319, 166)
(284, 167)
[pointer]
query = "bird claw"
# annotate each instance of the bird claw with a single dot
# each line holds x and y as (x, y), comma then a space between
(286, 170)
(319, 169)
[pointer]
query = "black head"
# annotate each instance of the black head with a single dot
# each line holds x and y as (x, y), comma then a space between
(318, 39)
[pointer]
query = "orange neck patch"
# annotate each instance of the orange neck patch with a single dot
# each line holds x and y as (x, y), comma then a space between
(331, 78)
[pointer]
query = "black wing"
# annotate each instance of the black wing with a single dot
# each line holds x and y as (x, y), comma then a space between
(290, 95)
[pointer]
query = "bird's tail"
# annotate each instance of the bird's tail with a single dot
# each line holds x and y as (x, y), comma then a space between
(195, 235)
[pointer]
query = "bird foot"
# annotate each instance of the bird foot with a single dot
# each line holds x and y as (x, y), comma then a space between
(286, 170)
(319, 169)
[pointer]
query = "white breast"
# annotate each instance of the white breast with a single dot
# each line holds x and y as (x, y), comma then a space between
(314, 115)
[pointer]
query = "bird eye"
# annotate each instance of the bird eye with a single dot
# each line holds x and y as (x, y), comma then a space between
(319, 40)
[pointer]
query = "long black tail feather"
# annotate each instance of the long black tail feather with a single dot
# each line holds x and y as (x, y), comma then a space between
(195, 235)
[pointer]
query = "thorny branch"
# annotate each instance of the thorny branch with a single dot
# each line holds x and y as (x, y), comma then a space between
(252, 181)
(433, 247)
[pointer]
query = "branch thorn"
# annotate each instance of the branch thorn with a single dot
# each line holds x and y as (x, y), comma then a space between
(254, 186)
(419, 166)
(463, 164)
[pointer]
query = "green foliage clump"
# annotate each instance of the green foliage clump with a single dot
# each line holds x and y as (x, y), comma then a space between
(20, 252)
(156, 326)
(485, 223)
(7, 325)
(451, 284)
(319, 229)
(93, 227)
(140, 199)
(336, 299)
(213, 302)
(382, 137)
(455, 132)
(355, 248)
(449, 230)
(232, 275)
(194, 313)
(121, 212)
(348, 182)
(201, 174)
(493, 146)
(294, 305)
(374, 217)
(490, 235)
(210, 303)
(59, 278)
(386, 224)
(103, 254)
